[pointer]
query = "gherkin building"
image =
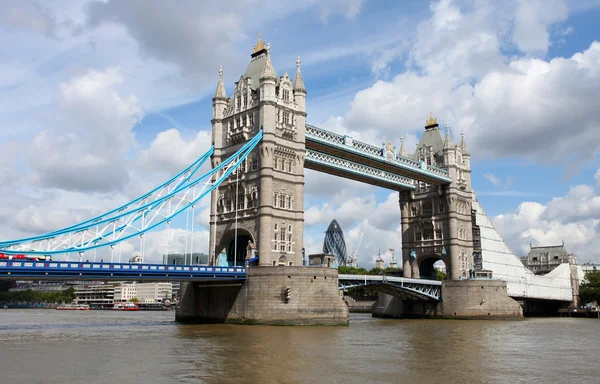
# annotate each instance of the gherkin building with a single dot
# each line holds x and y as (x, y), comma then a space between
(334, 243)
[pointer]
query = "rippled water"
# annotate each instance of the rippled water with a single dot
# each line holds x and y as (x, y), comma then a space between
(47, 346)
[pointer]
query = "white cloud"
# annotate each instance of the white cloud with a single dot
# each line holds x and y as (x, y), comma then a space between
(88, 152)
(533, 18)
(573, 218)
(497, 181)
(171, 152)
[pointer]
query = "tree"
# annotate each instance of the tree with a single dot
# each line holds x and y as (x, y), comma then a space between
(439, 275)
(590, 289)
(134, 300)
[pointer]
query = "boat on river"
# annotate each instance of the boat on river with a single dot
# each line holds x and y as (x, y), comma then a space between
(127, 306)
(73, 307)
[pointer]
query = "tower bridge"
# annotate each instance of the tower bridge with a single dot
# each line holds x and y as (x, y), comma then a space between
(261, 145)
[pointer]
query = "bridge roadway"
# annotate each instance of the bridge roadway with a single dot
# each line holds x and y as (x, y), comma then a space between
(76, 270)
(413, 289)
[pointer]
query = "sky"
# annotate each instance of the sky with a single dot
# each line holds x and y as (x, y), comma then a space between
(101, 101)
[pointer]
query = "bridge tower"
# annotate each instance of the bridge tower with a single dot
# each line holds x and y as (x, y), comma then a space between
(437, 220)
(265, 197)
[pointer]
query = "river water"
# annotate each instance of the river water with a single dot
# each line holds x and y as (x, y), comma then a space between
(48, 346)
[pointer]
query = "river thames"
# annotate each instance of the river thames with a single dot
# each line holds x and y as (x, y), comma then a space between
(48, 346)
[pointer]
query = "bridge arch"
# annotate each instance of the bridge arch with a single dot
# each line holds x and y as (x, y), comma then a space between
(227, 247)
(425, 265)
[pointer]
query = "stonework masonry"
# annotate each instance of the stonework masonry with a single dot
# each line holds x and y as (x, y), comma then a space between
(265, 196)
(313, 299)
(466, 299)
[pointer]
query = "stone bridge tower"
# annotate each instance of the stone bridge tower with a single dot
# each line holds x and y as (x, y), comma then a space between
(266, 195)
(437, 221)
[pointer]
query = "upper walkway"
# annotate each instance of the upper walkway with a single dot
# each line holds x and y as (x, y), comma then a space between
(343, 156)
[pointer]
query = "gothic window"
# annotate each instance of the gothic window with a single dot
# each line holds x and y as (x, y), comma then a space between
(290, 246)
(418, 234)
(427, 208)
(286, 117)
(290, 229)
(282, 234)
(281, 201)
(239, 102)
(245, 100)
(240, 202)
(428, 160)
(251, 118)
(286, 95)
(289, 166)
(275, 227)
(289, 202)
(438, 233)
(282, 165)
(243, 166)
(250, 201)
(440, 206)
(275, 201)
(275, 241)
(254, 162)
(228, 205)
(428, 233)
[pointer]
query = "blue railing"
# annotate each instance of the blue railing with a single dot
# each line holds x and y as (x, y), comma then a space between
(114, 271)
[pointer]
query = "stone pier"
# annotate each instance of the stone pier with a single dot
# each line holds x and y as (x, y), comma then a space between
(465, 299)
(313, 298)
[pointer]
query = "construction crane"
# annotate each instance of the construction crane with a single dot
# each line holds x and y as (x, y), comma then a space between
(352, 258)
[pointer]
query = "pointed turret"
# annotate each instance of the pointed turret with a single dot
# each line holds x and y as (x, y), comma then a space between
(298, 81)
(463, 145)
(403, 152)
(448, 140)
(220, 91)
(268, 71)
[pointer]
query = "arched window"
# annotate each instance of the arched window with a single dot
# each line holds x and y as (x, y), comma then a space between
(427, 208)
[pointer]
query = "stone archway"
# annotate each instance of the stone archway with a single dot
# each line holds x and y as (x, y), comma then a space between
(232, 251)
(282, 261)
(425, 266)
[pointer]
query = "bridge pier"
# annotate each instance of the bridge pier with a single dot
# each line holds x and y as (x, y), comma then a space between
(460, 299)
(313, 299)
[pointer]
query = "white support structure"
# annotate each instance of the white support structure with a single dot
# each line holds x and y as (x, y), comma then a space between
(521, 283)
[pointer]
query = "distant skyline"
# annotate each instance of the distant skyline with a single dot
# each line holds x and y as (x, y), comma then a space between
(102, 100)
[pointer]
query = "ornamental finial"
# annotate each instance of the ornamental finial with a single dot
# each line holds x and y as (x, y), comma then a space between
(462, 133)
(268, 48)
(402, 138)
(298, 62)
(221, 71)
(431, 121)
(259, 46)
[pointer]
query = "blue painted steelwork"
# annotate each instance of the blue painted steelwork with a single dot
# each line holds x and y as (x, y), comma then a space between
(345, 167)
(115, 271)
(412, 289)
(347, 144)
(140, 212)
(192, 169)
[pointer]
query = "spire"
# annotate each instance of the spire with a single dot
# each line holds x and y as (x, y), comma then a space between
(403, 152)
(448, 140)
(431, 122)
(298, 81)
(258, 48)
(268, 71)
(463, 145)
(220, 91)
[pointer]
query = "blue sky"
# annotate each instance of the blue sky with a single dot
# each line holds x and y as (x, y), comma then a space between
(127, 87)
